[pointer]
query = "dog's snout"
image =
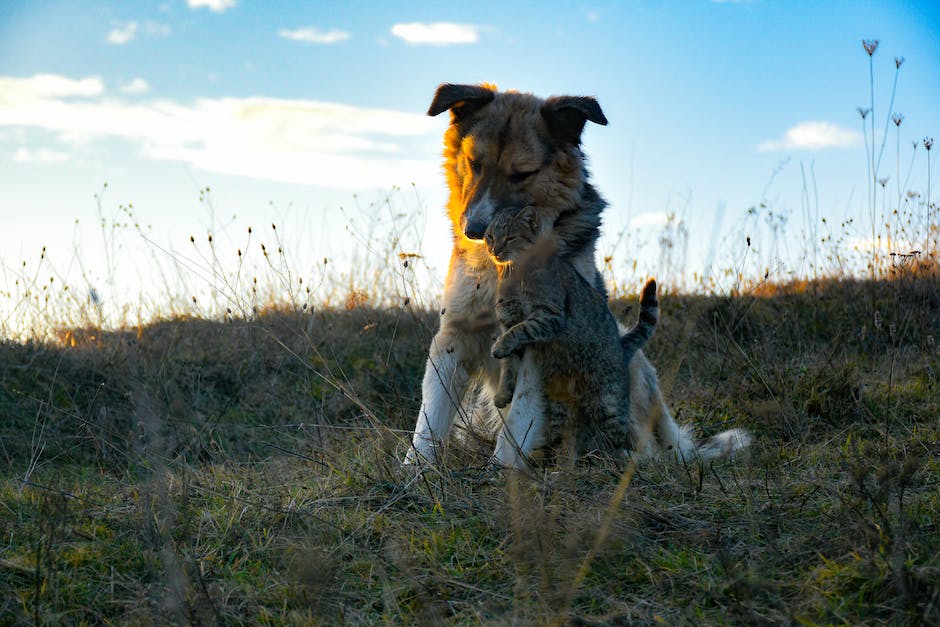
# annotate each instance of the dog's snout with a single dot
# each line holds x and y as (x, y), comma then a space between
(475, 229)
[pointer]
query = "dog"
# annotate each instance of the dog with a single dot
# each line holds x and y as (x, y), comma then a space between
(504, 150)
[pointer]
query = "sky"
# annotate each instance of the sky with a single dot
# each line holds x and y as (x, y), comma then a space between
(312, 115)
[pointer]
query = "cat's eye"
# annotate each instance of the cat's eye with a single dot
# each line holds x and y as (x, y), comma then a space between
(474, 165)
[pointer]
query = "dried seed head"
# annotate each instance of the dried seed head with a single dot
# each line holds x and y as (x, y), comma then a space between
(883, 181)
(897, 118)
(898, 62)
(870, 45)
(928, 143)
(862, 112)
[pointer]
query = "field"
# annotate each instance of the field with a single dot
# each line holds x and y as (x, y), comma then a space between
(247, 471)
(234, 457)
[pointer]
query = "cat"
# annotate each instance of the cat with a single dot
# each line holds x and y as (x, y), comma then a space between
(543, 305)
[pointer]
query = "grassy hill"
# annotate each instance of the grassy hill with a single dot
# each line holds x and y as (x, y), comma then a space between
(247, 471)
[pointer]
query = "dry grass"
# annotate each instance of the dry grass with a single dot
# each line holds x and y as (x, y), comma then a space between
(248, 472)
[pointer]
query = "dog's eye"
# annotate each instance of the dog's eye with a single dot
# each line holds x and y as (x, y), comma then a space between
(518, 177)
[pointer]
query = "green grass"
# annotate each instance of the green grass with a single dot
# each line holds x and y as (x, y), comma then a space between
(247, 471)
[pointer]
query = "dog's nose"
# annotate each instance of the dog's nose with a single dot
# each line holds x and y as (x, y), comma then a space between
(475, 230)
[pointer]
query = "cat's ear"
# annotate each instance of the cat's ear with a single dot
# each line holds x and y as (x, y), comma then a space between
(531, 216)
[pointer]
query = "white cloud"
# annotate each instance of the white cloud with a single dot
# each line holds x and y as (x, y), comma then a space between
(437, 33)
(313, 35)
(136, 87)
(40, 155)
(883, 246)
(813, 136)
(156, 29)
(123, 33)
(297, 141)
(652, 220)
(47, 86)
(126, 32)
(218, 6)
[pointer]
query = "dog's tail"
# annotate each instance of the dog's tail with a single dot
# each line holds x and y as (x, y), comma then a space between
(658, 432)
(718, 446)
(637, 337)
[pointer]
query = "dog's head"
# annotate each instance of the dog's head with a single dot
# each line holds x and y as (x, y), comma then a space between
(506, 150)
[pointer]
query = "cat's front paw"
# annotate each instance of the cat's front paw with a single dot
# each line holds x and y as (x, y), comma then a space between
(503, 347)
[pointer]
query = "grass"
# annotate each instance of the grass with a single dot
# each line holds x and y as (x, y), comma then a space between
(247, 471)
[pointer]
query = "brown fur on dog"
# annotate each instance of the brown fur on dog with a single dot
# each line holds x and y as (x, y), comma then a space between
(516, 149)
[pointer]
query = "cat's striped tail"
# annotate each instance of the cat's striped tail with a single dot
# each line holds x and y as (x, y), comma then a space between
(637, 337)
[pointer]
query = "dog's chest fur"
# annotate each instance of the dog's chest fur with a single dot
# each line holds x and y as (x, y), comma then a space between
(471, 283)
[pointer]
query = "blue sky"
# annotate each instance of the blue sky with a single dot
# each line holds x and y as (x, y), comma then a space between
(289, 111)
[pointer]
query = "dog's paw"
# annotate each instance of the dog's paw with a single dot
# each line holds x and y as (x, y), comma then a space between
(415, 459)
(502, 398)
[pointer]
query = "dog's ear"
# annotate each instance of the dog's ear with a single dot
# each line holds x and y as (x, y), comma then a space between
(462, 100)
(566, 116)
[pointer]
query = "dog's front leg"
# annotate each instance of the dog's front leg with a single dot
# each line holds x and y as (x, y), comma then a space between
(524, 428)
(444, 386)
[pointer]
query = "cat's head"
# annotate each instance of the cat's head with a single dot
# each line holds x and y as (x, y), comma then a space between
(512, 233)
